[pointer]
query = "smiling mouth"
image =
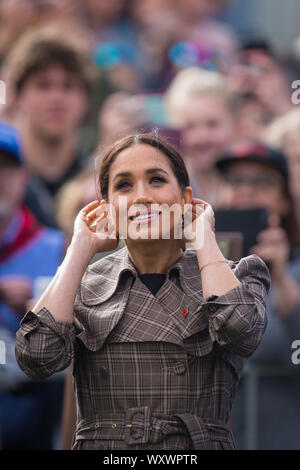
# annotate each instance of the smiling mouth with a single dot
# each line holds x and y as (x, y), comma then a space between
(144, 217)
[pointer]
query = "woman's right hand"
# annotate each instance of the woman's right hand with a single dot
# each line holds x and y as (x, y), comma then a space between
(93, 224)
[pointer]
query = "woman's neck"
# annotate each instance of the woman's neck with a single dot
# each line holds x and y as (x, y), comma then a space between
(155, 256)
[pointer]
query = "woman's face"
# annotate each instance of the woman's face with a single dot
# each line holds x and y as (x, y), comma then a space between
(208, 130)
(142, 175)
(255, 185)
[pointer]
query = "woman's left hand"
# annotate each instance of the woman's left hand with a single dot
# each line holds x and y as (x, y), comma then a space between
(203, 223)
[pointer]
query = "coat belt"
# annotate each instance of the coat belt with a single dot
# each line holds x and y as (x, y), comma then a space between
(139, 426)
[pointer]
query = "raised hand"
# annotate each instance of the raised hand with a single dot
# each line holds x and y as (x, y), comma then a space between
(94, 223)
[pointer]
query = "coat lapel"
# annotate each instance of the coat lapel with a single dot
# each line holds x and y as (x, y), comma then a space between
(112, 284)
(146, 319)
(102, 278)
(184, 310)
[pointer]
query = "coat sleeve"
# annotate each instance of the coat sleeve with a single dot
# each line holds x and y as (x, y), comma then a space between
(43, 345)
(237, 320)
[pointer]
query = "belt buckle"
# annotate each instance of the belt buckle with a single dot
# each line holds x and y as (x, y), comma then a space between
(137, 425)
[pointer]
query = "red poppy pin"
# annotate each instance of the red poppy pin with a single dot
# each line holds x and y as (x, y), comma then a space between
(185, 311)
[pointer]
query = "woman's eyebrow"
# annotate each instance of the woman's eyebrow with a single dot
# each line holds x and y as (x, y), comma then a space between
(124, 173)
(148, 171)
(155, 170)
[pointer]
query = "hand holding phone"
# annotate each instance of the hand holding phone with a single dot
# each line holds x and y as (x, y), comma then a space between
(273, 246)
(247, 222)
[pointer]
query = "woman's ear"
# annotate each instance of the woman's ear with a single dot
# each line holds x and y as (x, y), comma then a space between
(188, 195)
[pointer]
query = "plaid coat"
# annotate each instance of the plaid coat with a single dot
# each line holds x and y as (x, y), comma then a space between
(145, 375)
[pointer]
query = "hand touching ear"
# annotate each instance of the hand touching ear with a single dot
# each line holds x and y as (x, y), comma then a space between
(202, 219)
(93, 221)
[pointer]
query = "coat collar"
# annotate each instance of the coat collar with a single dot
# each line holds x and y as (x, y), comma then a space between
(103, 277)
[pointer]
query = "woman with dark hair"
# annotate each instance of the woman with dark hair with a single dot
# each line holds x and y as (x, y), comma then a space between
(158, 333)
(267, 413)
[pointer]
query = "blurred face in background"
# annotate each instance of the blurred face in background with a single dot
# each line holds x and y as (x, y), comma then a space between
(195, 9)
(143, 11)
(254, 185)
(103, 11)
(52, 102)
(18, 14)
(56, 10)
(251, 119)
(292, 152)
(208, 130)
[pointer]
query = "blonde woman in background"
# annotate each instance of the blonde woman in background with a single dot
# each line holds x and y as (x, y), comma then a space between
(284, 133)
(199, 103)
(74, 195)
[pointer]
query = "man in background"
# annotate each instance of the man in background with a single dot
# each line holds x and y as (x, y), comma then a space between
(51, 78)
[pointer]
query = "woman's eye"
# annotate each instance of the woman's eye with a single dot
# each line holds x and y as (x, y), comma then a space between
(123, 185)
(158, 179)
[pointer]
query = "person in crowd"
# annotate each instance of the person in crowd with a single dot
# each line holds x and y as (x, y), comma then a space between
(197, 22)
(16, 17)
(65, 13)
(174, 34)
(283, 133)
(267, 414)
(252, 117)
(114, 44)
(104, 20)
(260, 73)
(29, 257)
(121, 114)
(208, 128)
(185, 82)
(51, 77)
(170, 320)
(156, 22)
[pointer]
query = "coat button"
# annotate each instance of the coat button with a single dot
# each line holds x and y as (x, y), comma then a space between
(213, 308)
(103, 372)
(179, 368)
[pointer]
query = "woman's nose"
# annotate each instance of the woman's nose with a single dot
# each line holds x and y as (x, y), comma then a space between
(142, 195)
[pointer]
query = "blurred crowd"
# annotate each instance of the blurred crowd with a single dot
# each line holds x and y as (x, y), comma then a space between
(80, 74)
